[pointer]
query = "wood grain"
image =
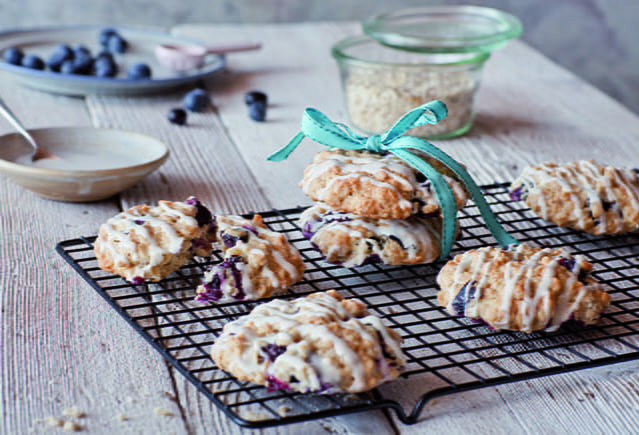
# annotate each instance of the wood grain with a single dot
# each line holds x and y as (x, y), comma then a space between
(61, 345)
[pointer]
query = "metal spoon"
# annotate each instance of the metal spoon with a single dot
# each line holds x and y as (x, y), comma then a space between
(185, 57)
(39, 153)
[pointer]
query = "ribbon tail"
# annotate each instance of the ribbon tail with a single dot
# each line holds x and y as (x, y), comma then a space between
(499, 233)
(447, 200)
(286, 150)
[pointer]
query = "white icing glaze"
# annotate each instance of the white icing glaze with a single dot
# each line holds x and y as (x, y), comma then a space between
(312, 370)
(253, 251)
(413, 233)
(120, 228)
(535, 296)
(575, 178)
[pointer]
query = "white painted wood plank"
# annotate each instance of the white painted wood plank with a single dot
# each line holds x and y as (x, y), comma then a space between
(529, 111)
(60, 344)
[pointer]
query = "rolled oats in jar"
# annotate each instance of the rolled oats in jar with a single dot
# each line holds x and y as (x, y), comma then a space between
(415, 56)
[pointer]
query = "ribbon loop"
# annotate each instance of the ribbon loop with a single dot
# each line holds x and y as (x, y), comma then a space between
(321, 129)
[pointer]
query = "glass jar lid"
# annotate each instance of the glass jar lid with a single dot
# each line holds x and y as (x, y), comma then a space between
(444, 29)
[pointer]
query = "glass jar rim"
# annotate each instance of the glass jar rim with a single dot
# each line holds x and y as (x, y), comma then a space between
(463, 29)
(338, 50)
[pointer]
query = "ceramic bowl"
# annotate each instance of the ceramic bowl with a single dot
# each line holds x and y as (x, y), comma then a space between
(94, 163)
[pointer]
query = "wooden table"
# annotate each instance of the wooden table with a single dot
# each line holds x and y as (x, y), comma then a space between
(62, 346)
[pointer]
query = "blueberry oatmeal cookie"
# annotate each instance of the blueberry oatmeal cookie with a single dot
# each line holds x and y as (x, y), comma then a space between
(379, 186)
(322, 343)
(581, 195)
(147, 243)
(258, 262)
(351, 240)
(521, 288)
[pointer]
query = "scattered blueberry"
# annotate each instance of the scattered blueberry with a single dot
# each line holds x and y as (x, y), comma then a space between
(257, 111)
(117, 44)
(255, 96)
(13, 56)
(138, 71)
(33, 62)
(196, 100)
(105, 35)
(177, 116)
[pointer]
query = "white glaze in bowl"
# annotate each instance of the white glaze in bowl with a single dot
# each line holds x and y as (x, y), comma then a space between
(99, 162)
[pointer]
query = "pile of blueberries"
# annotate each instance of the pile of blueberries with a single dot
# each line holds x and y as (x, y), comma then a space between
(79, 60)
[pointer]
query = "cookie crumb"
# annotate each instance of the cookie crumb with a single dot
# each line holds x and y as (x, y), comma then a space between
(162, 411)
(74, 411)
(71, 426)
(53, 421)
(284, 410)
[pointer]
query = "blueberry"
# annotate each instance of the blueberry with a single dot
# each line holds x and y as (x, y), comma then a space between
(255, 96)
(68, 67)
(61, 53)
(177, 116)
(272, 351)
(105, 35)
(516, 195)
(138, 71)
(196, 100)
(104, 67)
(81, 51)
(13, 56)
(117, 44)
(397, 240)
(104, 54)
(257, 111)
(465, 294)
(83, 63)
(33, 62)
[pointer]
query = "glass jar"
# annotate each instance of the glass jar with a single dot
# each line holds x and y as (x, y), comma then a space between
(417, 55)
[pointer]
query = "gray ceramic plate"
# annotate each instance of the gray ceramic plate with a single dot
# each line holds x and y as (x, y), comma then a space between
(142, 43)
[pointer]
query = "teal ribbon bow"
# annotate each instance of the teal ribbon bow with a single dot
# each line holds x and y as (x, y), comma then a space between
(321, 129)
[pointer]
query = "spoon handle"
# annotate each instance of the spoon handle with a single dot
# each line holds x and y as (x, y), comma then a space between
(233, 48)
(8, 114)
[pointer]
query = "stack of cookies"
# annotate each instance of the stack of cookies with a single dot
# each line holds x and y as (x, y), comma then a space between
(374, 208)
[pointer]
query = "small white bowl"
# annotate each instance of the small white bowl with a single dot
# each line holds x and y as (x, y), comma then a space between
(95, 163)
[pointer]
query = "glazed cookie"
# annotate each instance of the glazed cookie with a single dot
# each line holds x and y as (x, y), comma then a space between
(351, 240)
(581, 195)
(258, 262)
(521, 288)
(317, 344)
(379, 186)
(148, 243)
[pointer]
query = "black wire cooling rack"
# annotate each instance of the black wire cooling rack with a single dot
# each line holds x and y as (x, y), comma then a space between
(445, 354)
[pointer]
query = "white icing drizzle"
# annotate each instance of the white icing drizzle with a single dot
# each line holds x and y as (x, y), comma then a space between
(253, 249)
(413, 233)
(535, 296)
(582, 176)
(120, 228)
(312, 371)
(354, 166)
